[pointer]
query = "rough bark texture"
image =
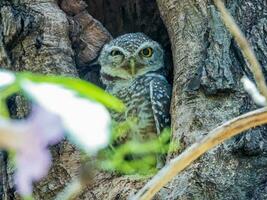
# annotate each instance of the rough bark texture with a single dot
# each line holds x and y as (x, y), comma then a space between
(34, 36)
(38, 36)
(62, 37)
(207, 92)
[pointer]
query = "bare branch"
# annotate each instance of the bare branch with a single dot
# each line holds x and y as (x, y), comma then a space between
(244, 45)
(215, 137)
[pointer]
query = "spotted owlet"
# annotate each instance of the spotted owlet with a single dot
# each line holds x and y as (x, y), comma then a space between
(130, 66)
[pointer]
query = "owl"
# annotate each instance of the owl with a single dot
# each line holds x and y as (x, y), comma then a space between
(130, 66)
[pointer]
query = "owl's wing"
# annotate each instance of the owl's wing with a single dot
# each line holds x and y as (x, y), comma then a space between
(160, 97)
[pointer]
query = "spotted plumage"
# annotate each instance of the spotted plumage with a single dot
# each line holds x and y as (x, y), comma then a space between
(130, 42)
(129, 69)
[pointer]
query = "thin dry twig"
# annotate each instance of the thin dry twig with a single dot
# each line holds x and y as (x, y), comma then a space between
(245, 47)
(215, 137)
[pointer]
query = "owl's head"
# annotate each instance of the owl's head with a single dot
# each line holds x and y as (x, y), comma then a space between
(129, 56)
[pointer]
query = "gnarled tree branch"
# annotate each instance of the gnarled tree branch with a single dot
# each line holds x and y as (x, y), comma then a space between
(223, 132)
(215, 137)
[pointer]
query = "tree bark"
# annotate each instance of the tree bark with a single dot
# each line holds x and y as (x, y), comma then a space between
(207, 91)
(60, 37)
(34, 37)
(55, 37)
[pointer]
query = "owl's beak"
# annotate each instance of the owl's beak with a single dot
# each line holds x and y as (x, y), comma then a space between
(132, 66)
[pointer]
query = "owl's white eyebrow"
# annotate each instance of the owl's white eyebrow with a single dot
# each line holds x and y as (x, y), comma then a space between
(109, 49)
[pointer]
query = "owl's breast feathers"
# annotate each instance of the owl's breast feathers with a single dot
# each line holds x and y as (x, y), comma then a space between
(147, 99)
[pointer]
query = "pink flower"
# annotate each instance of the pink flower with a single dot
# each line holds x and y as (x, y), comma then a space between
(33, 136)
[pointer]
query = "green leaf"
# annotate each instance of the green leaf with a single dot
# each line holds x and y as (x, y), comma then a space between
(82, 88)
(134, 157)
(27, 198)
(4, 112)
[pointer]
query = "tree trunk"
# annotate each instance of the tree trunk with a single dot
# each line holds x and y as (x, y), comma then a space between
(61, 37)
(34, 36)
(206, 92)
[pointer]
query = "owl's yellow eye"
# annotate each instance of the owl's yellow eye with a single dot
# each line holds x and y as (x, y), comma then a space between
(146, 52)
(116, 53)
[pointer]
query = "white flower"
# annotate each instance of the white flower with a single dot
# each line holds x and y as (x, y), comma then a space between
(6, 78)
(88, 122)
(252, 90)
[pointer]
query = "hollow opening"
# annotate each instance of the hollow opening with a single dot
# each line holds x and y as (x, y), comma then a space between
(126, 16)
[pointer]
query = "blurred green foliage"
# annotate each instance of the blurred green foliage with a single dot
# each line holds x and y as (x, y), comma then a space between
(82, 88)
(128, 157)
(133, 157)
